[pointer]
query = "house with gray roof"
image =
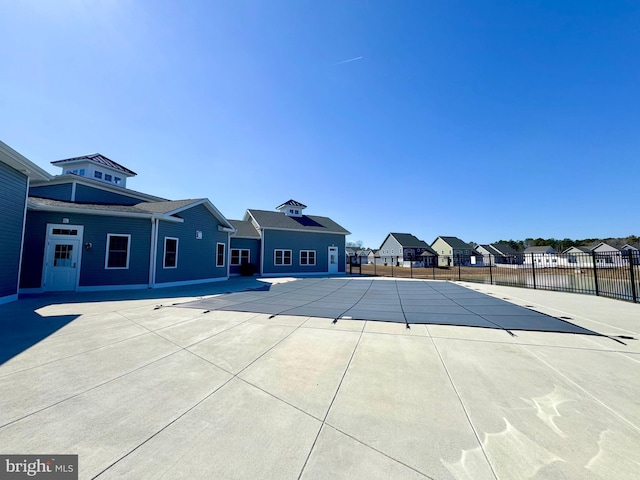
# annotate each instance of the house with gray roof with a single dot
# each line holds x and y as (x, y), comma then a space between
(499, 254)
(16, 173)
(292, 242)
(244, 248)
(453, 252)
(405, 250)
(542, 256)
(88, 233)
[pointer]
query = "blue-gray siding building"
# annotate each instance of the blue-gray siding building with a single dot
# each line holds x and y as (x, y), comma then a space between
(85, 233)
(292, 243)
(16, 172)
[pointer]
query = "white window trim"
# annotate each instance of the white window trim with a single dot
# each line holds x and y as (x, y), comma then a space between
(240, 250)
(282, 264)
(224, 251)
(308, 264)
(106, 254)
(164, 255)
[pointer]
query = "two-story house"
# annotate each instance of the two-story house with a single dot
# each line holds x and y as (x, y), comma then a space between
(405, 250)
(452, 251)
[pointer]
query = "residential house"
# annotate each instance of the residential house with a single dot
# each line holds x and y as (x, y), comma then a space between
(543, 256)
(16, 173)
(453, 251)
(603, 254)
(371, 257)
(88, 233)
(294, 243)
(499, 254)
(405, 250)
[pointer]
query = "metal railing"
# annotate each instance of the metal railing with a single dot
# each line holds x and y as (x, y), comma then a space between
(614, 275)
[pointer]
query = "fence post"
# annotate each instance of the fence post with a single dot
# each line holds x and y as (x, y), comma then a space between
(392, 267)
(433, 267)
(375, 270)
(490, 272)
(533, 269)
(634, 292)
(459, 276)
(595, 272)
(411, 266)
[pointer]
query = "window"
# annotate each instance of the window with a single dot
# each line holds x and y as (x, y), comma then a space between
(97, 174)
(282, 257)
(107, 177)
(117, 180)
(296, 212)
(170, 252)
(220, 255)
(81, 172)
(239, 256)
(117, 251)
(64, 231)
(307, 257)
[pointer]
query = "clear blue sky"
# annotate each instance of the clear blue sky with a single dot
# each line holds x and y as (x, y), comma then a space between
(483, 120)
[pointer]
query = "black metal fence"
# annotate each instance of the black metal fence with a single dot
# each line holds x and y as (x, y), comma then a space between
(609, 274)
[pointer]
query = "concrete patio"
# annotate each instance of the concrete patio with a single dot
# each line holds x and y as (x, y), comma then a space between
(140, 387)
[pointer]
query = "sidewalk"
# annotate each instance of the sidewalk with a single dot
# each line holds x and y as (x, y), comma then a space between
(141, 388)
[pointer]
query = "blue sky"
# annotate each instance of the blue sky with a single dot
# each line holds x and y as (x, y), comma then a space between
(484, 120)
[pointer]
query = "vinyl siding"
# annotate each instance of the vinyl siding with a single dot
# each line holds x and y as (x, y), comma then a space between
(60, 192)
(96, 228)
(13, 190)
(296, 241)
(86, 194)
(253, 245)
(196, 258)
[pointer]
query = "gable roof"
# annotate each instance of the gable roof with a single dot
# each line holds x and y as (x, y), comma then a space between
(540, 249)
(504, 249)
(455, 243)
(305, 223)
(490, 249)
(244, 229)
(580, 248)
(291, 203)
(406, 240)
(99, 159)
(20, 163)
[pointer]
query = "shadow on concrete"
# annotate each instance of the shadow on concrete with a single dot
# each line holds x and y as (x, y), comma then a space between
(21, 326)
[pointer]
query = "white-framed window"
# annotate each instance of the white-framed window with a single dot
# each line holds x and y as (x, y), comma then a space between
(282, 257)
(107, 177)
(117, 180)
(307, 257)
(220, 254)
(170, 253)
(97, 174)
(117, 254)
(240, 256)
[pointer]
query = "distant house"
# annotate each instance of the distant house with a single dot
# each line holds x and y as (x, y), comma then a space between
(371, 257)
(294, 243)
(404, 250)
(453, 251)
(88, 233)
(499, 254)
(16, 173)
(541, 256)
(602, 253)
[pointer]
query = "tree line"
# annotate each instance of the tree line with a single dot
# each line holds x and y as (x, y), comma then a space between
(562, 244)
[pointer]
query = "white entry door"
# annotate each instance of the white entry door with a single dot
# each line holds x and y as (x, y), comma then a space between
(333, 260)
(62, 258)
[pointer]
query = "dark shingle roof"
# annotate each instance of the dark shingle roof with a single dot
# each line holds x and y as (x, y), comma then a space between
(538, 249)
(291, 203)
(491, 249)
(305, 223)
(166, 207)
(504, 249)
(408, 240)
(244, 229)
(99, 159)
(456, 243)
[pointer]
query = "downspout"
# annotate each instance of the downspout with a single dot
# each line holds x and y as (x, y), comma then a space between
(228, 254)
(261, 252)
(24, 226)
(153, 255)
